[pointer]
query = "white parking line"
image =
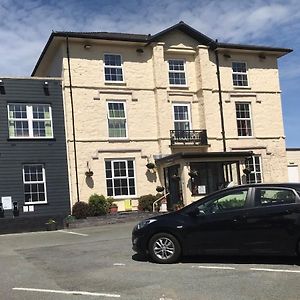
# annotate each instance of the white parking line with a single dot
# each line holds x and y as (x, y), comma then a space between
(68, 292)
(72, 232)
(119, 264)
(214, 267)
(275, 270)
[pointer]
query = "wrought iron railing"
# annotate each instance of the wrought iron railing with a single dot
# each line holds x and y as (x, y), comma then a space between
(194, 137)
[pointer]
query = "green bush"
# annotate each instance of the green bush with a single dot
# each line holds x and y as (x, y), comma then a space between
(81, 210)
(146, 202)
(98, 205)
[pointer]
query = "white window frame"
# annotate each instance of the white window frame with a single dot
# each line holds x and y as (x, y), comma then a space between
(240, 73)
(113, 67)
(244, 119)
(178, 71)
(189, 114)
(35, 182)
(112, 160)
(255, 172)
(108, 118)
(30, 120)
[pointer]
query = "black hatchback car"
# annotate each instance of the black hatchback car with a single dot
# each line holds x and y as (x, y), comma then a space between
(249, 219)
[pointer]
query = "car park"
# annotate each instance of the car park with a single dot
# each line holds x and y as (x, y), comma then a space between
(257, 219)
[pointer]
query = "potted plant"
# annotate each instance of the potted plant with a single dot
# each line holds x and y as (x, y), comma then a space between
(150, 166)
(89, 173)
(113, 208)
(51, 225)
(160, 189)
(247, 171)
(193, 173)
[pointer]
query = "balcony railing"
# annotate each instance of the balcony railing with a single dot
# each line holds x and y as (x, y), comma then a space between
(191, 137)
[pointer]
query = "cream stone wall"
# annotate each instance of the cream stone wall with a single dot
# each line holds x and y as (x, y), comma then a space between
(293, 159)
(149, 100)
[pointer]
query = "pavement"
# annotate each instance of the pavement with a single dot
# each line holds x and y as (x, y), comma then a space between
(98, 263)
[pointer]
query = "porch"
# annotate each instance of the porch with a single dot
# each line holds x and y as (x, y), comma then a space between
(188, 176)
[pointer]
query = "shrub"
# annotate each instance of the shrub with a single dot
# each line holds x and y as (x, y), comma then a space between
(81, 210)
(98, 205)
(146, 202)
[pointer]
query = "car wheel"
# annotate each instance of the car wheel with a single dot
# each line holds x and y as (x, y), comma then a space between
(298, 248)
(164, 248)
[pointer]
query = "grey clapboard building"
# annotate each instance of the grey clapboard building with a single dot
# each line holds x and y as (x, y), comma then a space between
(33, 164)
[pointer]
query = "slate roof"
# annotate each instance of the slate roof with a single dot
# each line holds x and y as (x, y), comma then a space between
(147, 39)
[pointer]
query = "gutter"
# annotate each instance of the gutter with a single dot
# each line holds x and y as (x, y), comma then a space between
(214, 46)
(73, 120)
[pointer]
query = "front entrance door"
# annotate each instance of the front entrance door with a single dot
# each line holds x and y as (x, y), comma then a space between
(173, 187)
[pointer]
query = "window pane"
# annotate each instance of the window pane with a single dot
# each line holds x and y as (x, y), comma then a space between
(232, 201)
(176, 72)
(275, 196)
(113, 67)
(122, 182)
(243, 118)
(239, 74)
(34, 183)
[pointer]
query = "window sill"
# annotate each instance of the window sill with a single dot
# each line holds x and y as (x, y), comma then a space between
(242, 87)
(183, 87)
(123, 197)
(116, 140)
(34, 203)
(246, 137)
(31, 139)
(123, 83)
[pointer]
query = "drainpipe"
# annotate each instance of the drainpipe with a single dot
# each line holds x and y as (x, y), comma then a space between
(73, 119)
(214, 48)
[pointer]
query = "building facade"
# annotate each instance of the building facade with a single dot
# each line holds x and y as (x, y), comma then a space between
(33, 163)
(175, 109)
(293, 158)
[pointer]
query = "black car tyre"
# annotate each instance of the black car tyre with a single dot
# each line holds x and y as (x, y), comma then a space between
(164, 248)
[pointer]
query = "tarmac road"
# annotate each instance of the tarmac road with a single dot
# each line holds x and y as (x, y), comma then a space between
(98, 263)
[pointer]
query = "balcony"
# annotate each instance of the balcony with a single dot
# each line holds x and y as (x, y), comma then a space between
(197, 137)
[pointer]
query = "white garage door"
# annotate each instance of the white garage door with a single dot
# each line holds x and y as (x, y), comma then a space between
(293, 174)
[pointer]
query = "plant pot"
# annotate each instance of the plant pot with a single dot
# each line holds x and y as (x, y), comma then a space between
(247, 171)
(193, 174)
(150, 165)
(113, 209)
(160, 189)
(89, 173)
(51, 226)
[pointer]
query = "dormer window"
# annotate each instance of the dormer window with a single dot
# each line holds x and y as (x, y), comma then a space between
(177, 72)
(113, 67)
(239, 74)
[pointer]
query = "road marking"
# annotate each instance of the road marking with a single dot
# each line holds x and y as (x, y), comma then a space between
(72, 232)
(275, 270)
(68, 292)
(119, 264)
(214, 267)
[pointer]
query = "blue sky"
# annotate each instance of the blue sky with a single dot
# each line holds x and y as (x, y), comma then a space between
(26, 25)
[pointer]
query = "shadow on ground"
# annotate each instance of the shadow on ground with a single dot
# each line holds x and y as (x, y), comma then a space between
(261, 260)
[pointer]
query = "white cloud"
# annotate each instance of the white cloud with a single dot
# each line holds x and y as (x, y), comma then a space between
(25, 26)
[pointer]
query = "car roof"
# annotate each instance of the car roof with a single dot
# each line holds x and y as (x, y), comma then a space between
(266, 185)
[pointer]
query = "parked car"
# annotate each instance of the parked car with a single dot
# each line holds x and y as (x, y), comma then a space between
(249, 219)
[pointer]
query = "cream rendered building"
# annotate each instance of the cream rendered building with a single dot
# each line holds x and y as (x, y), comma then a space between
(293, 158)
(136, 99)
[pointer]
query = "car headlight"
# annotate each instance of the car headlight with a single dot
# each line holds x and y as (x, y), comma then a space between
(144, 223)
